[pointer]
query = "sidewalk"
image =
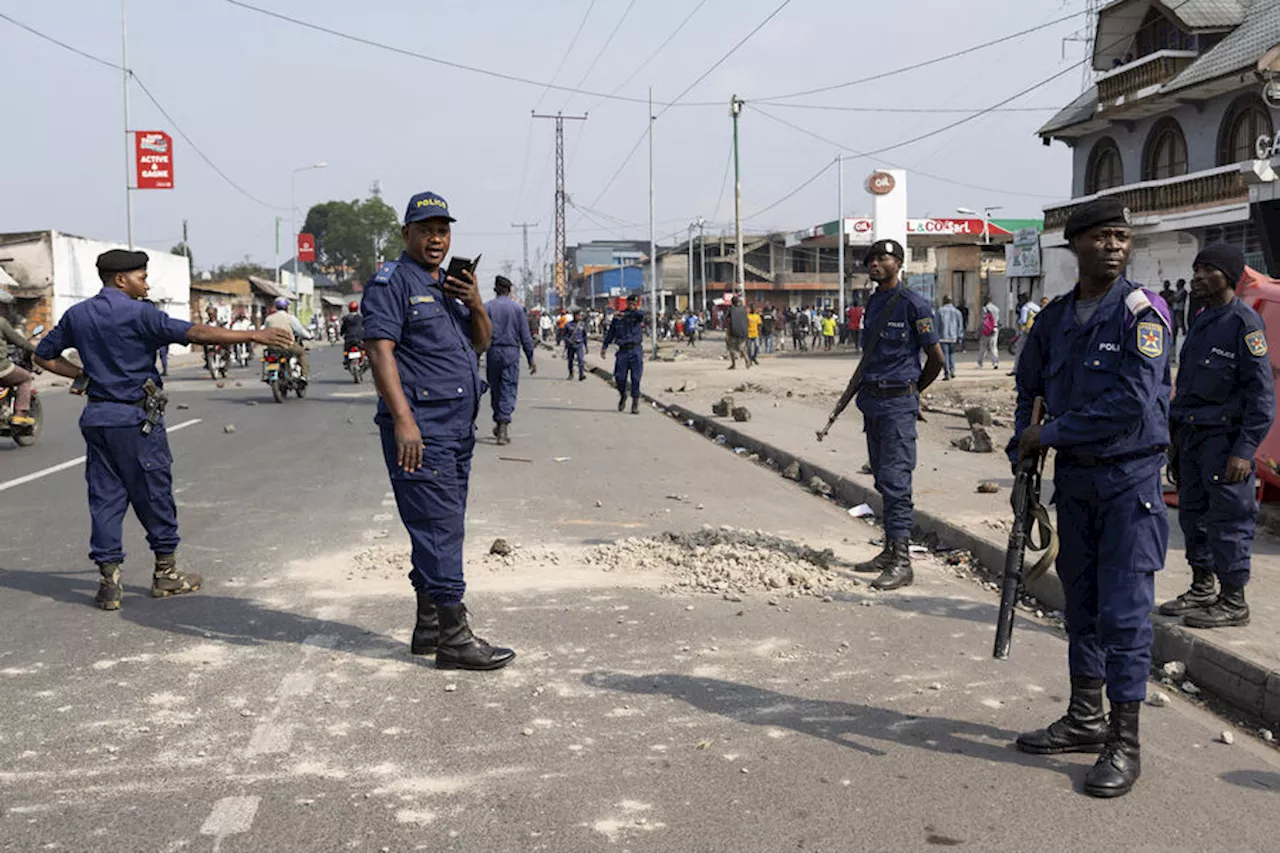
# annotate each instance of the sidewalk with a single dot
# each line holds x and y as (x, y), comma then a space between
(790, 397)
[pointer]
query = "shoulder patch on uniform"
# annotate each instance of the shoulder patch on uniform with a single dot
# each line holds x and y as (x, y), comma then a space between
(1256, 342)
(925, 325)
(385, 271)
(1151, 339)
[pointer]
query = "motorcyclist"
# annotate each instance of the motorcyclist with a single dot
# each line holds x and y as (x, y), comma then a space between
(12, 376)
(211, 319)
(280, 318)
(241, 324)
(352, 327)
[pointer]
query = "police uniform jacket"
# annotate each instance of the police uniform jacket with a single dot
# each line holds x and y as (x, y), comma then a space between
(405, 304)
(1224, 377)
(909, 328)
(626, 330)
(575, 334)
(510, 324)
(116, 337)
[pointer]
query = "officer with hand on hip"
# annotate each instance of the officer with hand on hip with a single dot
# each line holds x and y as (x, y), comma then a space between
(575, 344)
(502, 360)
(627, 329)
(127, 460)
(1222, 410)
(422, 331)
(889, 399)
(1099, 358)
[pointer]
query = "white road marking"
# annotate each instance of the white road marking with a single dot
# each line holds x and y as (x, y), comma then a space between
(230, 816)
(271, 737)
(71, 463)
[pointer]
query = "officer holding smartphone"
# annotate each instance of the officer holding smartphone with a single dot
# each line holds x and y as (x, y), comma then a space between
(423, 328)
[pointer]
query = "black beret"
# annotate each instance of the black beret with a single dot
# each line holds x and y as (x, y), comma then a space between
(121, 260)
(885, 247)
(1107, 210)
(1224, 257)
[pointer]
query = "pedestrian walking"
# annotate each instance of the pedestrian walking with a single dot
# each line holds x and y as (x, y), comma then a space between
(1027, 312)
(127, 460)
(735, 334)
(502, 359)
(950, 330)
(1100, 361)
(754, 321)
(627, 330)
(1222, 410)
(768, 326)
(799, 330)
(545, 326)
(575, 345)
(422, 331)
(963, 308)
(989, 335)
(900, 325)
(855, 326)
(691, 329)
(828, 330)
(815, 327)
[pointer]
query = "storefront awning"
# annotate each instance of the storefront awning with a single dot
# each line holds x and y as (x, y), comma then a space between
(333, 301)
(269, 288)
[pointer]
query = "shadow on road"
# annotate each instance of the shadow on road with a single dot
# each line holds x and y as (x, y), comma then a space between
(848, 724)
(238, 621)
(1257, 780)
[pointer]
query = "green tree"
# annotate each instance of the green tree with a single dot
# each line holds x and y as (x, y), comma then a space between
(353, 236)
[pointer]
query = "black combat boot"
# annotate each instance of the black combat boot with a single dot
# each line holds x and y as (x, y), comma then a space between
(622, 400)
(170, 580)
(1083, 729)
(897, 573)
(109, 590)
(1229, 611)
(879, 562)
(426, 630)
(504, 433)
(461, 649)
(497, 429)
(635, 405)
(1120, 764)
(1203, 592)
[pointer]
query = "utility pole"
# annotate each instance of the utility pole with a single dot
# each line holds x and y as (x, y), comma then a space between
(740, 281)
(840, 229)
(186, 247)
(128, 153)
(691, 227)
(702, 256)
(525, 272)
(653, 239)
(277, 261)
(560, 276)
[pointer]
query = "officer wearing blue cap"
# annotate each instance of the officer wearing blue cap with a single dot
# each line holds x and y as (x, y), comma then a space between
(1099, 357)
(1222, 410)
(889, 399)
(127, 461)
(502, 361)
(627, 330)
(422, 330)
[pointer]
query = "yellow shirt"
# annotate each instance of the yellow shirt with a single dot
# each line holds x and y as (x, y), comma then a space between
(753, 325)
(829, 327)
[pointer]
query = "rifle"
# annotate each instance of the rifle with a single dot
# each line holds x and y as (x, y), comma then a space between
(1027, 514)
(153, 404)
(868, 347)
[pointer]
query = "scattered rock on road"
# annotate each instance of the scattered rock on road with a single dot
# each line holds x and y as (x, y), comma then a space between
(1190, 689)
(982, 442)
(229, 428)
(1175, 669)
(182, 406)
(1227, 737)
(819, 486)
(987, 487)
(792, 471)
(723, 408)
(221, 384)
(978, 415)
(741, 414)
(251, 402)
(1158, 699)
(500, 547)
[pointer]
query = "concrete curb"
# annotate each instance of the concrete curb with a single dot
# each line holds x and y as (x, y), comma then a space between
(1246, 686)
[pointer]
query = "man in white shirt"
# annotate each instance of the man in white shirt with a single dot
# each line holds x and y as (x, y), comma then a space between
(989, 334)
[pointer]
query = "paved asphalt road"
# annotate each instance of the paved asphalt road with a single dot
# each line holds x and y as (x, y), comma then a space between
(278, 709)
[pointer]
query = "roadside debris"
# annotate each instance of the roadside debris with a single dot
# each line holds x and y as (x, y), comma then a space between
(722, 408)
(862, 511)
(819, 486)
(229, 428)
(1158, 699)
(500, 547)
(978, 440)
(792, 471)
(987, 487)
(741, 414)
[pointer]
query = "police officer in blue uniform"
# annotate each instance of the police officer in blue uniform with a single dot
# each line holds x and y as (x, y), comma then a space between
(889, 399)
(1222, 410)
(627, 330)
(502, 361)
(1099, 357)
(422, 331)
(127, 460)
(575, 344)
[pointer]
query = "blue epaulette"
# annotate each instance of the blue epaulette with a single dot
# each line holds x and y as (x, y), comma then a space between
(384, 273)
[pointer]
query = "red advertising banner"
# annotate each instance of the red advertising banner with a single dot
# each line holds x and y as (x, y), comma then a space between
(307, 248)
(153, 154)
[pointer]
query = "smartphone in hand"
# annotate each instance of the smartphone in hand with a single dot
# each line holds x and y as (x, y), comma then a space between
(459, 265)
(80, 384)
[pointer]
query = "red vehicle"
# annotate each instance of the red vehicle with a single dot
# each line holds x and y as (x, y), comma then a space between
(356, 363)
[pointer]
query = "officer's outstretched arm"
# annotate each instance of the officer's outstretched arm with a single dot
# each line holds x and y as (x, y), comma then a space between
(60, 366)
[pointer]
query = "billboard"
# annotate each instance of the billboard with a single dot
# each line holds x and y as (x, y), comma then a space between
(153, 157)
(307, 248)
(1022, 256)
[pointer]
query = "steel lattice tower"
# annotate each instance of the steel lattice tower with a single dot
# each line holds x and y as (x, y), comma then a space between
(559, 269)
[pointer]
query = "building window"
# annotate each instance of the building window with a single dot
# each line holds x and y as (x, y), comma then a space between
(1166, 152)
(1159, 33)
(1106, 169)
(919, 254)
(1246, 119)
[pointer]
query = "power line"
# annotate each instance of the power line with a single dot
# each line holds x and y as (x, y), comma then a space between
(815, 177)
(838, 108)
(653, 55)
(567, 53)
(724, 182)
(608, 41)
(154, 100)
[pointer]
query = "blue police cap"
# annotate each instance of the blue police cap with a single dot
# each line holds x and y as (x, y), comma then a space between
(121, 260)
(427, 206)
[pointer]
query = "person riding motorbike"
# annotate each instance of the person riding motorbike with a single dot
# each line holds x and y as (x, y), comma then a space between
(352, 327)
(282, 319)
(12, 376)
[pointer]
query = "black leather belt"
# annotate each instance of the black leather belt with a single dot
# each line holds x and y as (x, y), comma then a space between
(887, 391)
(1084, 460)
(627, 347)
(93, 399)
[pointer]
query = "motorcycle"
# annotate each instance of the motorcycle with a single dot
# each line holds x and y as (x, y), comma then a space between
(25, 436)
(356, 362)
(284, 374)
(241, 355)
(215, 361)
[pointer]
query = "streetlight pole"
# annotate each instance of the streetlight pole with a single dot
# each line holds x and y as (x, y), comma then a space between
(840, 228)
(691, 228)
(653, 238)
(740, 281)
(702, 256)
(986, 219)
(293, 213)
(128, 154)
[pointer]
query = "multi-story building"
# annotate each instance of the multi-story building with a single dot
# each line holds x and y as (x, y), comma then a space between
(1172, 126)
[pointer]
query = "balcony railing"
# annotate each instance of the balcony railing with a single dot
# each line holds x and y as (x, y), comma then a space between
(1224, 185)
(1155, 69)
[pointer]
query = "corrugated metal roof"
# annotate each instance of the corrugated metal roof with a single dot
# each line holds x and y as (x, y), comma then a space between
(1241, 49)
(1206, 14)
(1081, 109)
(269, 288)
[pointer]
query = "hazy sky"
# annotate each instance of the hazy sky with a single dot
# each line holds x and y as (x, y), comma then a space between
(262, 96)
